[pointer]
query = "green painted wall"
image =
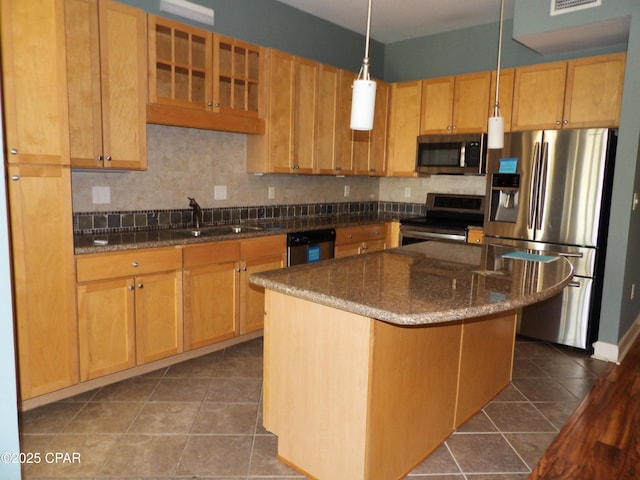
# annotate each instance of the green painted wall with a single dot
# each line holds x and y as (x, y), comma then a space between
(274, 24)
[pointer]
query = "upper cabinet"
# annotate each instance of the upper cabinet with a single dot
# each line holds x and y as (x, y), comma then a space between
(369, 147)
(404, 128)
(456, 104)
(505, 95)
(107, 75)
(202, 80)
(34, 82)
(579, 93)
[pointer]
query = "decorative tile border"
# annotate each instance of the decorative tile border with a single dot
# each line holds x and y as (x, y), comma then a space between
(130, 221)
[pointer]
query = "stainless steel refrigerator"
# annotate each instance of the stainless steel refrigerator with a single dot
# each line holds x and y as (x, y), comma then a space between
(549, 192)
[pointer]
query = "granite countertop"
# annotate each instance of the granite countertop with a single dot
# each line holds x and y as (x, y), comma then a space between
(84, 244)
(424, 283)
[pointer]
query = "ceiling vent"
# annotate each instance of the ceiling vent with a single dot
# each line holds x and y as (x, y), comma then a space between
(566, 6)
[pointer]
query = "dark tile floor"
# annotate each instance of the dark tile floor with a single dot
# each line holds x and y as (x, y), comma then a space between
(202, 419)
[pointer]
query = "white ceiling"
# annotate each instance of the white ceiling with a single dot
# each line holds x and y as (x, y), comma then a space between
(394, 20)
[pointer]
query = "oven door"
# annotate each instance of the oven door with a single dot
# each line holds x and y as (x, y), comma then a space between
(409, 235)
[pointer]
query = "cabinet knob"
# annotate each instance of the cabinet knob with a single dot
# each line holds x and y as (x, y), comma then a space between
(565, 122)
(217, 104)
(130, 287)
(99, 158)
(209, 104)
(372, 169)
(557, 122)
(244, 269)
(15, 178)
(135, 264)
(14, 151)
(141, 285)
(108, 158)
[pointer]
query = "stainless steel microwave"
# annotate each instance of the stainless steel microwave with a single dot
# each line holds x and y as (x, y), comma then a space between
(452, 154)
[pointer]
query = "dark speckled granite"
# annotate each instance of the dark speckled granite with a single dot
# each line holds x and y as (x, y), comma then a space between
(425, 283)
(179, 236)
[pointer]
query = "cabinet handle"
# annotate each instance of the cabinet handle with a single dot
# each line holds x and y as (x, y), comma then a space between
(141, 285)
(237, 269)
(217, 104)
(135, 264)
(15, 178)
(557, 122)
(350, 236)
(565, 121)
(100, 158)
(209, 104)
(338, 169)
(14, 151)
(244, 269)
(372, 169)
(130, 287)
(108, 158)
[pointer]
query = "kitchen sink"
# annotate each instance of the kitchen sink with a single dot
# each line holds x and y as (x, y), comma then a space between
(217, 230)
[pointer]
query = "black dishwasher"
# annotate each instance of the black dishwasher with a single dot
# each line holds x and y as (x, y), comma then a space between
(310, 246)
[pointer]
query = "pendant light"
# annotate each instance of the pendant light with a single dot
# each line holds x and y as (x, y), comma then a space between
(363, 100)
(496, 121)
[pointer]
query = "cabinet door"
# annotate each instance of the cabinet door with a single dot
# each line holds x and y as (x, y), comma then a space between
(437, 104)
(347, 250)
(34, 81)
(180, 64)
(210, 304)
(344, 134)
(327, 117)
(158, 316)
(373, 246)
(43, 276)
(280, 117)
(404, 127)
(505, 95)
(470, 102)
(237, 73)
(83, 74)
(594, 91)
(106, 326)
(378, 147)
(252, 296)
(123, 61)
(538, 96)
(305, 106)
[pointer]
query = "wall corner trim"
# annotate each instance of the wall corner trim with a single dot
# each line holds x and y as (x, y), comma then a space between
(615, 353)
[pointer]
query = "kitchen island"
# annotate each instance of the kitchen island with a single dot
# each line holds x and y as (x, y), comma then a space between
(372, 361)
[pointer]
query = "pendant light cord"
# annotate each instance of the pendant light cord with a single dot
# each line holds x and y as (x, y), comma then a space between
(496, 106)
(365, 61)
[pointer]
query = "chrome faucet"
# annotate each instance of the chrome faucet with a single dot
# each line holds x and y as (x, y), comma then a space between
(197, 213)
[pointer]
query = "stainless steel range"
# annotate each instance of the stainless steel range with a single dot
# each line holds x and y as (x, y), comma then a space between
(448, 218)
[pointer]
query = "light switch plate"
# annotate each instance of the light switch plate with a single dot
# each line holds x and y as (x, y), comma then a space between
(101, 195)
(220, 192)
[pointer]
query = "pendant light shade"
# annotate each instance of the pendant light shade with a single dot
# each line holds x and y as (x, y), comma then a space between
(495, 127)
(363, 98)
(363, 104)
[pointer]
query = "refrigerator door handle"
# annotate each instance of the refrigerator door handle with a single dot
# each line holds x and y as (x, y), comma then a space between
(574, 255)
(542, 184)
(534, 187)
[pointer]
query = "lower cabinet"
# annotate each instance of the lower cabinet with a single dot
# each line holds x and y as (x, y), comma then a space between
(220, 303)
(129, 309)
(357, 240)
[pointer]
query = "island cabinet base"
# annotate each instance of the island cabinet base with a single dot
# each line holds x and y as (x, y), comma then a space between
(351, 397)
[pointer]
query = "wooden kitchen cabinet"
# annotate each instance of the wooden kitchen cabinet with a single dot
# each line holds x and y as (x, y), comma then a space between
(203, 80)
(593, 95)
(538, 96)
(343, 162)
(369, 147)
(505, 95)
(44, 290)
(107, 75)
(475, 235)
(305, 109)
(125, 292)
(327, 129)
(455, 104)
(273, 151)
(404, 128)
(34, 82)
(360, 239)
(220, 303)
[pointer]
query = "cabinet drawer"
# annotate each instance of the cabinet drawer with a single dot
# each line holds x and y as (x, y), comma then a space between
(126, 264)
(475, 236)
(211, 253)
(360, 234)
(263, 247)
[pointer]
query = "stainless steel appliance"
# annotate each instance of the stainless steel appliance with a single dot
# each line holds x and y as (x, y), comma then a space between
(451, 154)
(310, 246)
(550, 193)
(448, 218)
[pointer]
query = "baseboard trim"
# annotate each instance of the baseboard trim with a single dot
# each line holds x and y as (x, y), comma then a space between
(615, 353)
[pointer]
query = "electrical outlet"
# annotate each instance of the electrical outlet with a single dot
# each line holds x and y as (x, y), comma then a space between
(407, 192)
(271, 193)
(635, 201)
(633, 291)
(220, 192)
(347, 190)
